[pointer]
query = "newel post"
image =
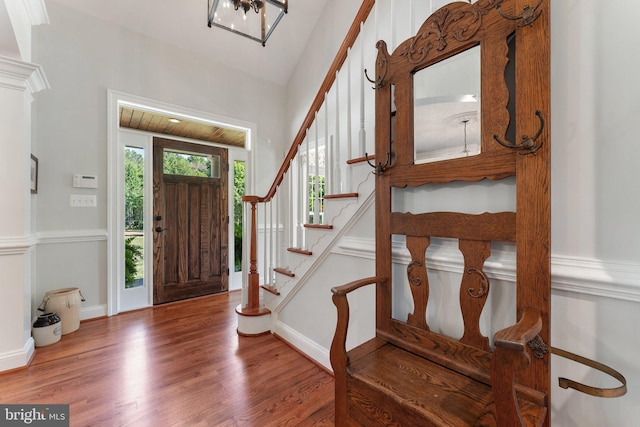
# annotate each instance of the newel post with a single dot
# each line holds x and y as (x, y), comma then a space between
(253, 301)
(253, 318)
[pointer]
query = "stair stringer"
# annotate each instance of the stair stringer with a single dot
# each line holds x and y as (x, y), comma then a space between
(321, 238)
(304, 269)
(319, 260)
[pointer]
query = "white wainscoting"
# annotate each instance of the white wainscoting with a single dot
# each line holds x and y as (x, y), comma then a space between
(601, 278)
(59, 237)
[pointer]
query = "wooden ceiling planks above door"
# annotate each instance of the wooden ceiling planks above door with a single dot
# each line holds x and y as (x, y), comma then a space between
(149, 121)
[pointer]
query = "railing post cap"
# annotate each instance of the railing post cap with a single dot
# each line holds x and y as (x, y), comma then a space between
(251, 199)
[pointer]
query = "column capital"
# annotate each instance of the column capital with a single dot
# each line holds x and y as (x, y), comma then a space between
(22, 76)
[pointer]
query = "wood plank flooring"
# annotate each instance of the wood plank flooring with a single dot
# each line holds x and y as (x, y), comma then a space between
(179, 364)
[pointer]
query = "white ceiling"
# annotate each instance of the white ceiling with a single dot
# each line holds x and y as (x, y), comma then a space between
(183, 23)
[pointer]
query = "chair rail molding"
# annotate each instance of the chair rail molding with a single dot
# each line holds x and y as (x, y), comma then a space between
(17, 245)
(581, 275)
(71, 236)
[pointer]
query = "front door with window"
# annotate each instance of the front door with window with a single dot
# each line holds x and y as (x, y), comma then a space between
(190, 220)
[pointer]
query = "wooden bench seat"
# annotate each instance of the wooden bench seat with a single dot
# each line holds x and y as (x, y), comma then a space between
(417, 391)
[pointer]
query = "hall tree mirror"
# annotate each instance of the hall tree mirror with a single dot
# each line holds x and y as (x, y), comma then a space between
(447, 108)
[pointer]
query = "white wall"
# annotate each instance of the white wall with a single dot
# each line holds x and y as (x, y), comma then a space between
(316, 59)
(595, 210)
(83, 58)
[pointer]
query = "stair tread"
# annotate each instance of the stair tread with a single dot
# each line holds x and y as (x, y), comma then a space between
(271, 289)
(340, 196)
(300, 251)
(319, 226)
(284, 271)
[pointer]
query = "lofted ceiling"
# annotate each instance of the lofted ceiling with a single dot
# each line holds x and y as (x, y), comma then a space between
(183, 24)
(151, 121)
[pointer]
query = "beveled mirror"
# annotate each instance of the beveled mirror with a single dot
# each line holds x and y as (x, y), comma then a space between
(447, 108)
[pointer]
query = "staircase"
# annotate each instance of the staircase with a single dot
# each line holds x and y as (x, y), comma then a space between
(294, 228)
(341, 213)
(294, 224)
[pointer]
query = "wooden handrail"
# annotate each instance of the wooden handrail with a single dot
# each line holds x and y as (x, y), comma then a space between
(253, 296)
(338, 61)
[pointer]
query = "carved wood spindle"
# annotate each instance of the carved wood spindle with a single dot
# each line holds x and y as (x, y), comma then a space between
(253, 294)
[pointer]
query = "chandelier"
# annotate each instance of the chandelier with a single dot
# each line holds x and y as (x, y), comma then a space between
(245, 5)
(232, 15)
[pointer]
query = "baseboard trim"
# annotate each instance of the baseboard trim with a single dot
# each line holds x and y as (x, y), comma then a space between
(18, 359)
(92, 312)
(304, 345)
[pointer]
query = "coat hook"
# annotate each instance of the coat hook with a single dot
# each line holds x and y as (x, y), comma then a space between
(376, 84)
(528, 15)
(380, 168)
(379, 81)
(527, 143)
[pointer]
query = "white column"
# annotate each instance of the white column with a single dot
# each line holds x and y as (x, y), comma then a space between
(18, 81)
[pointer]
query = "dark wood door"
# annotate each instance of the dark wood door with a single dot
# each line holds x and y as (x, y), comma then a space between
(190, 221)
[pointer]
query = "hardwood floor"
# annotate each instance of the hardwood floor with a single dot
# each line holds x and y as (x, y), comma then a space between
(180, 364)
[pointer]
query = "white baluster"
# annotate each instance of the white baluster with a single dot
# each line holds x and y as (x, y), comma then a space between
(307, 190)
(328, 157)
(265, 262)
(316, 186)
(375, 23)
(290, 211)
(392, 17)
(412, 18)
(349, 118)
(362, 136)
(300, 202)
(336, 186)
(269, 259)
(278, 233)
(275, 233)
(338, 171)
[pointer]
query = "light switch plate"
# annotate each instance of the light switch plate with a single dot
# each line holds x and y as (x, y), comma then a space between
(83, 201)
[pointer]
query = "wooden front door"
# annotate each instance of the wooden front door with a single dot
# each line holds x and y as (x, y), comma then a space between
(190, 220)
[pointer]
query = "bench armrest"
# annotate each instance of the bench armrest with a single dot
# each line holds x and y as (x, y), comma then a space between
(338, 353)
(516, 337)
(509, 357)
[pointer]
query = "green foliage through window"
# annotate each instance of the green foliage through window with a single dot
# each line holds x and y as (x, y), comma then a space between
(312, 194)
(133, 188)
(132, 261)
(239, 174)
(189, 164)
